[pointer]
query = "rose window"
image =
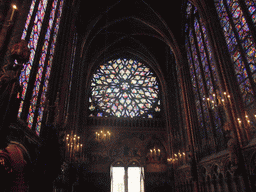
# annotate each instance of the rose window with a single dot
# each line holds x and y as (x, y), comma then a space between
(124, 88)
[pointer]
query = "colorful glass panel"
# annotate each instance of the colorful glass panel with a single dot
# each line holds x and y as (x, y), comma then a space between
(31, 10)
(46, 52)
(49, 65)
(195, 87)
(204, 80)
(41, 65)
(243, 54)
(189, 9)
(251, 5)
(33, 41)
(198, 82)
(124, 88)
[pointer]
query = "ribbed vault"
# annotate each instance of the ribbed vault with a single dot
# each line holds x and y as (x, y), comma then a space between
(132, 29)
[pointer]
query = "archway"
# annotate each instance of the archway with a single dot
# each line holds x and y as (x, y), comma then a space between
(127, 178)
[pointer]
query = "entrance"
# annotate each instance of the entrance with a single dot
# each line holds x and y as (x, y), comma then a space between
(127, 179)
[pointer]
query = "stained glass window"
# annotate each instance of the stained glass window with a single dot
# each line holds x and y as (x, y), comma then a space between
(33, 41)
(204, 81)
(43, 65)
(251, 5)
(48, 65)
(124, 88)
(241, 44)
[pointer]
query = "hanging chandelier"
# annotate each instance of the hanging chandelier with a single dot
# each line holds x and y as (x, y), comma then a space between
(177, 158)
(102, 136)
(74, 147)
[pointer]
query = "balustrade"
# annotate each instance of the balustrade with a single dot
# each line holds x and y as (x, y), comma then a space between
(125, 122)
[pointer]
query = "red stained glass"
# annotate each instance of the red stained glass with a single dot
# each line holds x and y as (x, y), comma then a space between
(45, 63)
(242, 67)
(203, 76)
(49, 63)
(132, 87)
(33, 44)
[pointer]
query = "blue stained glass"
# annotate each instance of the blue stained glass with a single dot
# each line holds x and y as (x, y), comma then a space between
(42, 60)
(49, 63)
(32, 6)
(244, 36)
(33, 41)
(203, 77)
(33, 45)
(253, 67)
(133, 83)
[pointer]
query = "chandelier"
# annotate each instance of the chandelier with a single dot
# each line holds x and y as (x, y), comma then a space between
(177, 158)
(102, 136)
(74, 147)
(155, 152)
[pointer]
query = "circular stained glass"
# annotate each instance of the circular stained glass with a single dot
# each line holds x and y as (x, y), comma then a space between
(124, 88)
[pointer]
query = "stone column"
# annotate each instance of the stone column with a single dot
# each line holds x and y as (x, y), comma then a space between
(240, 183)
(224, 185)
(212, 189)
(218, 185)
(233, 184)
(208, 186)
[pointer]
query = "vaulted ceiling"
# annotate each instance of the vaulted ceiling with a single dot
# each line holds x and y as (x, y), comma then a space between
(145, 29)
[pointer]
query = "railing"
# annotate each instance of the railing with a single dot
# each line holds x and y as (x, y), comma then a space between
(131, 123)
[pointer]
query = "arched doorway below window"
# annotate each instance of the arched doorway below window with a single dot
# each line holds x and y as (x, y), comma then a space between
(127, 178)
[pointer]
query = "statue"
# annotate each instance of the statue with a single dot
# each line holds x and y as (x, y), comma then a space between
(10, 88)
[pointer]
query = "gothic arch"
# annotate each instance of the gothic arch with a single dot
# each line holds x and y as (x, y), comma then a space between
(106, 34)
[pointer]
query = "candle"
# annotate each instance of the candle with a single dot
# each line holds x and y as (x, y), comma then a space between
(239, 121)
(108, 135)
(229, 100)
(14, 7)
(81, 147)
(223, 101)
(214, 98)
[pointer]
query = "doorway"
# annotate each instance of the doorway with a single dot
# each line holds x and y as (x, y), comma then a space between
(127, 178)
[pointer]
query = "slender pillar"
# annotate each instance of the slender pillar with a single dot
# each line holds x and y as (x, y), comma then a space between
(240, 182)
(225, 185)
(233, 184)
